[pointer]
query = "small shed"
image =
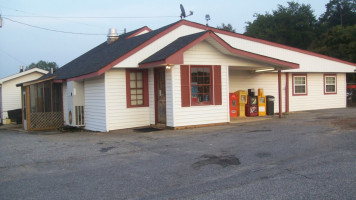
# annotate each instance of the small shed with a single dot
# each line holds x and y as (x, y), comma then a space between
(10, 95)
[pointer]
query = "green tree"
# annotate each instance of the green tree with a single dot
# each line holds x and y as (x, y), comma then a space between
(226, 27)
(294, 25)
(338, 42)
(43, 65)
(339, 12)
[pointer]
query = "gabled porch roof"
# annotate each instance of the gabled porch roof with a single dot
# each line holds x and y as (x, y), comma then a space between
(172, 54)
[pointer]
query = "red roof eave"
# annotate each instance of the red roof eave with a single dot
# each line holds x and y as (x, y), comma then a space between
(139, 32)
(177, 58)
(203, 27)
(196, 25)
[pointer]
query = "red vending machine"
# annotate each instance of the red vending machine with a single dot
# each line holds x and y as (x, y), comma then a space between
(251, 106)
(233, 105)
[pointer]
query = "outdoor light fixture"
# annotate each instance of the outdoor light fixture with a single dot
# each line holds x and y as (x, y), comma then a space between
(264, 70)
(168, 67)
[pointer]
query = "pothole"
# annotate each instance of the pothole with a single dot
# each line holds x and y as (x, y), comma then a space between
(224, 161)
(106, 149)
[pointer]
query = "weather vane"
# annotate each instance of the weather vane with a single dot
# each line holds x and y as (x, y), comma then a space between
(182, 15)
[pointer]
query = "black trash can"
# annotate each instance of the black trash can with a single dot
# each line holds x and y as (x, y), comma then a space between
(270, 104)
(15, 115)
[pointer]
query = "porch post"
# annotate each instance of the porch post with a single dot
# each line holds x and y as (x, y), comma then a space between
(280, 93)
(287, 92)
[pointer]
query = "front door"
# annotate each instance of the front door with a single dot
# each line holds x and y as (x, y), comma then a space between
(160, 95)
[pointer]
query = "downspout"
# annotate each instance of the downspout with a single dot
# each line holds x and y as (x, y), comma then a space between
(287, 92)
(280, 93)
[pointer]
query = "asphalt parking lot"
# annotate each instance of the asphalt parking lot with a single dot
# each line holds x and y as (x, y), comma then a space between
(305, 155)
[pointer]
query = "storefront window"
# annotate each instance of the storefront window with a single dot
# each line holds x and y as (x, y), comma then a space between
(330, 84)
(299, 84)
(201, 85)
(136, 87)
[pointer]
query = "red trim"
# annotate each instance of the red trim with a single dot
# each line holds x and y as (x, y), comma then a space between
(351, 86)
(130, 53)
(196, 25)
(138, 32)
(280, 93)
(287, 92)
(217, 85)
(306, 84)
(158, 63)
(327, 93)
(185, 85)
(201, 26)
(177, 57)
(144, 88)
(84, 76)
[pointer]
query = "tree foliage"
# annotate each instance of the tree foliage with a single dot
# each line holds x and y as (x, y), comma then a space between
(338, 42)
(333, 34)
(339, 12)
(226, 27)
(293, 25)
(43, 65)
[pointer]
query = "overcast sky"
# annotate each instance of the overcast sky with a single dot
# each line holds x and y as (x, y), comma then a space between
(21, 44)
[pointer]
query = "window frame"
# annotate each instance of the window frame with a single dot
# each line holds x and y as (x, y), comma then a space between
(324, 85)
(306, 84)
(211, 85)
(144, 88)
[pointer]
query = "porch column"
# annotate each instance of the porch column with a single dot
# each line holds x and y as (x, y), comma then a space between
(280, 93)
(287, 92)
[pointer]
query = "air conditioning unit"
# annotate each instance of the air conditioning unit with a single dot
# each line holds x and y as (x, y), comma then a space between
(75, 103)
(79, 116)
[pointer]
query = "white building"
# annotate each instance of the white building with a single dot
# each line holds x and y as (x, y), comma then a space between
(182, 74)
(10, 95)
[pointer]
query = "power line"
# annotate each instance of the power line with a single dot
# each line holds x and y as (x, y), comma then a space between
(33, 15)
(89, 17)
(53, 30)
(13, 57)
(37, 15)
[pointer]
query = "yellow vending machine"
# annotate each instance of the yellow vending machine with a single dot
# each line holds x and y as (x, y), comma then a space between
(241, 101)
(261, 100)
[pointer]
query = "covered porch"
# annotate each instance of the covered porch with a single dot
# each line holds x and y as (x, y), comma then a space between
(42, 104)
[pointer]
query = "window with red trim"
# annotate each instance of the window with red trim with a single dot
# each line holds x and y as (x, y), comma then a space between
(136, 88)
(330, 84)
(201, 85)
(299, 85)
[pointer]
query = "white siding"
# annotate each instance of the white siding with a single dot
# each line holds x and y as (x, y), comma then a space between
(308, 63)
(11, 95)
(95, 106)
(195, 115)
(118, 115)
(74, 97)
(170, 100)
(151, 96)
(204, 53)
(65, 103)
(150, 49)
(244, 80)
(316, 99)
